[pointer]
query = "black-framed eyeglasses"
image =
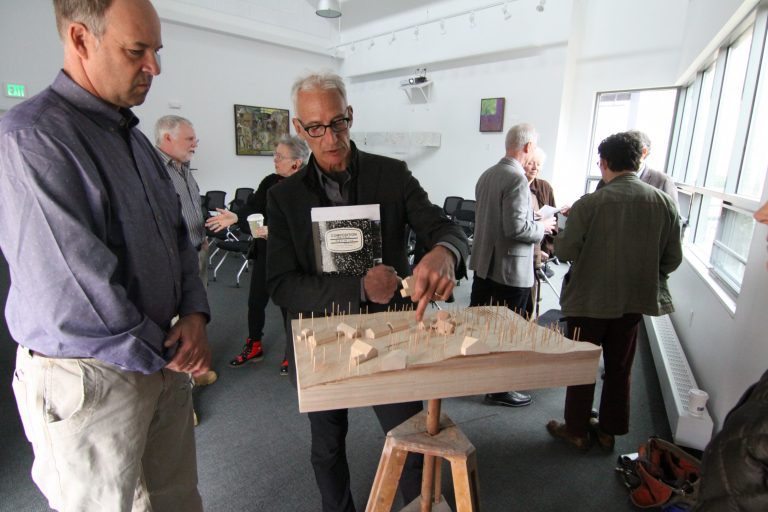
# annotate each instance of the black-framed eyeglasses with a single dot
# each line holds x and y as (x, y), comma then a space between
(318, 130)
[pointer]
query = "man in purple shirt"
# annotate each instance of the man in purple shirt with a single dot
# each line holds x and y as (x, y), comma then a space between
(100, 267)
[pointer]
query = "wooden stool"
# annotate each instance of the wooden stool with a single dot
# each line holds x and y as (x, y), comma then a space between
(449, 443)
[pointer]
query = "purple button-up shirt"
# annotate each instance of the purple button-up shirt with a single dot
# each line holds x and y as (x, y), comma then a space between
(92, 230)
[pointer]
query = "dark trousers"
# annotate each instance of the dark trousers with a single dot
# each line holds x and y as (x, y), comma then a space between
(618, 337)
(258, 296)
(329, 454)
(486, 292)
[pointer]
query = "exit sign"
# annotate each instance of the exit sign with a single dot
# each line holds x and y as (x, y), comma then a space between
(15, 90)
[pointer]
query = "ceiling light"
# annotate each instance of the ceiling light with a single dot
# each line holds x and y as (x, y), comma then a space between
(472, 19)
(371, 44)
(352, 47)
(442, 27)
(540, 7)
(328, 9)
(416, 33)
(392, 39)
(505, 11)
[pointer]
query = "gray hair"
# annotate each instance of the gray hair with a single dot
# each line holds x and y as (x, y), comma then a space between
(324, 80)
(520, 135)
(88, 12)
(296, 147)
(169, 124)
(642, 137)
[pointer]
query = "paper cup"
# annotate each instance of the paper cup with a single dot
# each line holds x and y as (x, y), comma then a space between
(255, 221)
(697, 402)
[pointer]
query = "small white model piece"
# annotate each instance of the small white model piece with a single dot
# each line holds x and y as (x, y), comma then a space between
(395, 360)
(377, 331)
(407, 286)
(445, 323)
(349, 331)
(307, 332)
(473, 346)
(399, 324)
(361, 351)
(321, 338)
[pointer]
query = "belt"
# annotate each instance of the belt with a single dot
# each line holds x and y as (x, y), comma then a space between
(35, 353)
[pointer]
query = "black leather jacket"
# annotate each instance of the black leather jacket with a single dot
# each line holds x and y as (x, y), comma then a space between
(735, 463)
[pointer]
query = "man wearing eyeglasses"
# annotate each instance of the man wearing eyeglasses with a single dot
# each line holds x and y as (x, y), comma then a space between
(338, 174)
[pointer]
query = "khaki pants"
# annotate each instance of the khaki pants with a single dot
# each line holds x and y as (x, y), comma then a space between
(202, 261)
(106, 439)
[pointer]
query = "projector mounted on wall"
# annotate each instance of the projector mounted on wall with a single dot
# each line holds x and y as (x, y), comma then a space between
(419, 78)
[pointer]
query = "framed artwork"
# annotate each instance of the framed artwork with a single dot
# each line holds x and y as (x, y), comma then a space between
(257, 129)
(492, 114)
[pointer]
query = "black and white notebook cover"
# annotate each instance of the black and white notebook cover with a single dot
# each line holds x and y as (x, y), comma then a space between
(347, 239)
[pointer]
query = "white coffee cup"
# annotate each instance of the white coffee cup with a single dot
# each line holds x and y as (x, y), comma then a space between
(697, 402)
(255, 221)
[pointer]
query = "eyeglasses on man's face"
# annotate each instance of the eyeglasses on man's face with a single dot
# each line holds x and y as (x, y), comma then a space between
(318, 130)
(279, 157)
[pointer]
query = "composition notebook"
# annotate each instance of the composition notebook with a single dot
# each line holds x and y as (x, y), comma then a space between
(347, 239)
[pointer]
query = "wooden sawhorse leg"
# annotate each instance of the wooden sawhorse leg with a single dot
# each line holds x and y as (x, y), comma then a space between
(446, 441)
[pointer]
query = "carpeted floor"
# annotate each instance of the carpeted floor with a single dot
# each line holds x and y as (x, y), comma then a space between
(253, 445)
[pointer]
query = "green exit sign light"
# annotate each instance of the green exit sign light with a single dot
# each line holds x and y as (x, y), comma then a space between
(15, 90)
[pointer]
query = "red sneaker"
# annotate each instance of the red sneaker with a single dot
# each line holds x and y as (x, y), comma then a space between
(284, 367)
(251, 353)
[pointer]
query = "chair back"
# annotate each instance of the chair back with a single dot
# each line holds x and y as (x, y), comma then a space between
(241, 197)
(465, 216)
(215, 199)
(451, 204)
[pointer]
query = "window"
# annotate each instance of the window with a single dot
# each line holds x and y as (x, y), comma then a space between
(696, 159)
(728, 111)
(720, 154)
(649, 110)
(753, 172)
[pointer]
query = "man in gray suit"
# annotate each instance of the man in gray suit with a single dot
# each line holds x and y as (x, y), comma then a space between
(505, 233)
(650, 176)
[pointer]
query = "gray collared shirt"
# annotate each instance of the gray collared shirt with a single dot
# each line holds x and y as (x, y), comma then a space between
(92, 230)
(189, 195)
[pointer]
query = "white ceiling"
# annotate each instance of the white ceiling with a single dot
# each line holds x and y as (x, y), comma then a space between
(294, 23)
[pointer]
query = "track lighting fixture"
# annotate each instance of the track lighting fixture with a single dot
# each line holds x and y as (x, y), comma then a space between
(328, 9)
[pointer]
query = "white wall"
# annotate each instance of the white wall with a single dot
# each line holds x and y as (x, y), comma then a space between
(30, 52)
(611, 47)
(530, 83)
(521, 59)
(208, 73)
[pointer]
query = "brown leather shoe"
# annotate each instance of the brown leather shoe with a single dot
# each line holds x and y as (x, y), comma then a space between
(206, 379)
(560, 431)
(605, 440)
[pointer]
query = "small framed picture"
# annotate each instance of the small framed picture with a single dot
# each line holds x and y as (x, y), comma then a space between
(492, 114)
(257, 129)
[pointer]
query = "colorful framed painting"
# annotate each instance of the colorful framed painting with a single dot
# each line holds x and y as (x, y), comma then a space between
(257, 129)
(492, 114)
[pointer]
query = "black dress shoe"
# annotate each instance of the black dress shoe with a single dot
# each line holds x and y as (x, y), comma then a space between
(508, 399)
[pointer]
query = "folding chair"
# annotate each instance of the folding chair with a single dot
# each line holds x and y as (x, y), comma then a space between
(451, 204)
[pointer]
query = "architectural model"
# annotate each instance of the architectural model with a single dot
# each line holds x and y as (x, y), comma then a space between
(366, 359)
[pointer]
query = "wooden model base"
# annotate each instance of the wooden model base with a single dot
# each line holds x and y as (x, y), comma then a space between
(522, 355)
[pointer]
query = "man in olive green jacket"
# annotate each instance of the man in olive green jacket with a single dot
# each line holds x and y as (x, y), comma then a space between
(623, 241)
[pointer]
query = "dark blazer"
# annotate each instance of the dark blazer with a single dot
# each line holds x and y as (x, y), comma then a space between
(655, 179)
(292, 279)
